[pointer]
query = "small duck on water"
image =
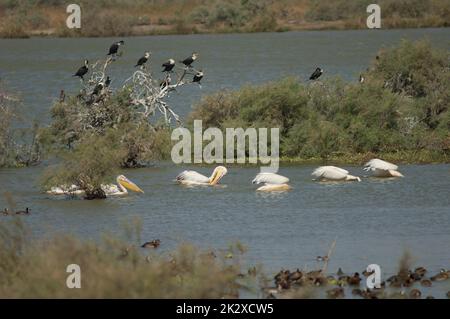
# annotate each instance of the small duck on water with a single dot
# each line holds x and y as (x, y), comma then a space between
(5, 212)
(152, 244)
(441, 276)
(354, 280)
(322, 258)
(415, 294)
(27, 211)
(336, 293)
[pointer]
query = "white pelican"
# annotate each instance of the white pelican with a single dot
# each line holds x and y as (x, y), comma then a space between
(272, 182)
(333, 173)
(380, 168)
(122, 187)
(194, 178)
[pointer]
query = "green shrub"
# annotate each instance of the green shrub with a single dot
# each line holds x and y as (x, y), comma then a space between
(401, 107)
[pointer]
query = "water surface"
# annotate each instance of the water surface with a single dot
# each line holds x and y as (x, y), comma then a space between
(373, 221)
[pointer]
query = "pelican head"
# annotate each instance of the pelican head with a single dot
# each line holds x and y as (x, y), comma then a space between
(125, 182)
(218, 173)
(352, 178)
(395, 173)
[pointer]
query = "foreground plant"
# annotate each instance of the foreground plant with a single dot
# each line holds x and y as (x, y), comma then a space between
(18, 147)
(113, 268)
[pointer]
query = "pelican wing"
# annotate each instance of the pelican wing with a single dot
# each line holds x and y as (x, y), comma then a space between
(381, 165)
(110, 189)
(270, 178)
(330, 172)
(192, 176)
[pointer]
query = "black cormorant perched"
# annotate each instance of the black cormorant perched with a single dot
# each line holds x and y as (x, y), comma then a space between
(188, 61)
(115, 47)
(165, 82)
(83, 70)
(317, 73)
(198, 77)
(143, 60)
(169, 65)
(107, 82)
(98, 88)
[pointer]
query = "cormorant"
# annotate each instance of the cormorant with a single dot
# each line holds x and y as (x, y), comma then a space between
(83, 70)
(115, 47)
(198, 77)
(98, 88)
(169, 65)
(143, 60)
(165, 82)
(317, 73)
(107, 82)
(188, 61)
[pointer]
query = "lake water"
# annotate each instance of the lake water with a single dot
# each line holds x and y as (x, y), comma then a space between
(373, 221)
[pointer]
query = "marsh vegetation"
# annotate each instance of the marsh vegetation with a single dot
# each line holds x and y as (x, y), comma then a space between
(18, 147)
(23, 18)
(400, 111)
(118, 267)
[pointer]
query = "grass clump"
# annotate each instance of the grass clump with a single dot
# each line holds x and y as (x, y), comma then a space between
(18, 147)
(112, 268)
(401, 108)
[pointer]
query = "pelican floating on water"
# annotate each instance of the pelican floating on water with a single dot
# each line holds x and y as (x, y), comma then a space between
(272, 182)
(333, 173)
(122, 187)
(194, 178)
(380, 168)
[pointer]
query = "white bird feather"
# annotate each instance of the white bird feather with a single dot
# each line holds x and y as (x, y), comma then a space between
(270, 178)
(192, 176)
(380, 164)
(333, 173)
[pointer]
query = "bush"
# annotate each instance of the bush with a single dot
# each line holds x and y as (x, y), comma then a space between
(401, 107)
(417, 70)
(18, 147)
(248, 15)
(101, 130)
(113, 268)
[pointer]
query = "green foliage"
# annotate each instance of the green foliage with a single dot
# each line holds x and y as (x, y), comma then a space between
(113, 118)
(419, 71)
(322, 10)
(331, 118)
(89, 165)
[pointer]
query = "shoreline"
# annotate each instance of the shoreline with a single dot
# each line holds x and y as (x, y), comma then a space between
(54, 34)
